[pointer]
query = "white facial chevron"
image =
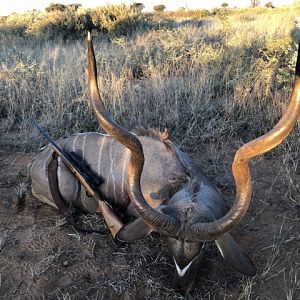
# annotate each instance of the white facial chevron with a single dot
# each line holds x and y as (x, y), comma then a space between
(181, 272)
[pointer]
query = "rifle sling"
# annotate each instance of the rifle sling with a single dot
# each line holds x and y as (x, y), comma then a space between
(58, 199)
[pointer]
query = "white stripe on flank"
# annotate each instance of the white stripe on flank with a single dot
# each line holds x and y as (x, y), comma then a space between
(74, 150)
(111, 168)
(76, 183)
(102, 134)
(124, 169)
(83, 146)
(74, 143)
(100, 155)
(181, 272)
(59, 170)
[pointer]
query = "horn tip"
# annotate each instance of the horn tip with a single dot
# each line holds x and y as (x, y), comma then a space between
(89, 37)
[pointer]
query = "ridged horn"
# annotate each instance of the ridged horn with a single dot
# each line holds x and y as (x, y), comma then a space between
(241, 172)
(151, 216)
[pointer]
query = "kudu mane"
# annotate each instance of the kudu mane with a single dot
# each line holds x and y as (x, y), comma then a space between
(162, 136)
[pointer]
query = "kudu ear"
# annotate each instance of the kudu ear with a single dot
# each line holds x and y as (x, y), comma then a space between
(234, 255)
(134, 231)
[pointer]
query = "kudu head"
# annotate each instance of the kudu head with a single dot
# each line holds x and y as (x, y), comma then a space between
(182, 220)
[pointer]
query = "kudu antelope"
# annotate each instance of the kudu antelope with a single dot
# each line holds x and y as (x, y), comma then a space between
(145, 176)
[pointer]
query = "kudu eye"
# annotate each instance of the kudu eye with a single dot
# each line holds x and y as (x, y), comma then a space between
(170, 211)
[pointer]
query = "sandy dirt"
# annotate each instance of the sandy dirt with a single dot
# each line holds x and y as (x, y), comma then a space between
(42, 257)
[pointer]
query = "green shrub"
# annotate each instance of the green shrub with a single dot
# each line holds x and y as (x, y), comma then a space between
(17, 23)
(137, 6)
(55, 7)
(117, 20)
(159, 8)
(71, 21)
(57, 23)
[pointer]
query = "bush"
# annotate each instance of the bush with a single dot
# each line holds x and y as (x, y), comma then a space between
(55, 7)
(116, 20)
(159, 8)
(57, 23)
(138, 7)
(71, 21)
(17, 23)
(269, 5)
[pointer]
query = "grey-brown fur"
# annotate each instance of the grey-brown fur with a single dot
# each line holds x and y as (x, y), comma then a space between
(109, 159)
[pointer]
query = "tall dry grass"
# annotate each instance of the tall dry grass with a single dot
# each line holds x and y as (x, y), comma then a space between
(206, 80)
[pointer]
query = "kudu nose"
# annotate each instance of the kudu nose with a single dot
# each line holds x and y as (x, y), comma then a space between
(183, 286)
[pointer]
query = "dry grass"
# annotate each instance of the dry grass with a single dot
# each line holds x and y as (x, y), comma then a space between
(203, 81)
(209, 82)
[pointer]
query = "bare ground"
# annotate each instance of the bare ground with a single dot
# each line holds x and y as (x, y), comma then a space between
(41, 257)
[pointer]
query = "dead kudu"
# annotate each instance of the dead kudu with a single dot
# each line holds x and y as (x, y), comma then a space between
(145, 176)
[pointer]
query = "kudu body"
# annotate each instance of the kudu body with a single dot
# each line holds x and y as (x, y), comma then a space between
(145, 176)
